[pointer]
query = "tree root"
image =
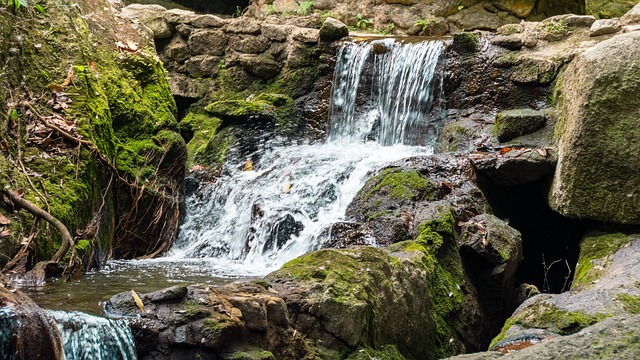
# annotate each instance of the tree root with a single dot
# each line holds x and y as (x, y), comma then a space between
(37, 275)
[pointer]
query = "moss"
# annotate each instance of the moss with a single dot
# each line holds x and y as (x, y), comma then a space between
(595, 249)
(543, 315)
(556, 27)
(607, 9)
(400, 184)
(251, 354)
(465, 42)
(630, 303)
(276, 106)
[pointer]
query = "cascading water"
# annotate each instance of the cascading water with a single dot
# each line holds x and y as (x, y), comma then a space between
(87, 337)
(253, 222)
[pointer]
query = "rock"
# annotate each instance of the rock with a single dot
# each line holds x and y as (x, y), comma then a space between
(27, 331)
(603, 9)
(599, 149)
(477, 18)
(203, 66)
(605, 27)
(402, 2)
(184, 30)
(510, 29)
(333, 29)
(249, 44)
(631, 28)
(492, 250)
(275, 32)
(307, 36)
(345, 234)
(579, 20)
(517, 166)
(177, 49)
(207, 42)
(632, 17)
(181, 85)
(150, 15)
(259, 66)
(535, 70)
(324, 4)
(513, 123)
(508, 42)
(519, 8)
(179, 16)
(243, 25)
(465, 42)
(207, 21)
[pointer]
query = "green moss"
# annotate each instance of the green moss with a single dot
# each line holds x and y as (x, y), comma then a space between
(251, 354)
(465, 42)
(400, 184)
(543, 315)
(556, 27)
(276, 106)
(595, 248)
(607, 9)
(630, 303)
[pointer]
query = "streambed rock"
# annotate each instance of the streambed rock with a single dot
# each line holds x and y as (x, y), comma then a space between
(599, 151)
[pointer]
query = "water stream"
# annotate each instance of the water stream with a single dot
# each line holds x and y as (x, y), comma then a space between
(385, 106)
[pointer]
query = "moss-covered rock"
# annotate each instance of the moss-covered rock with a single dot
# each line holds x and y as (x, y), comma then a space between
(115, 95)
(606, 9)
(599, 150)
(596, 252)
(513, 123)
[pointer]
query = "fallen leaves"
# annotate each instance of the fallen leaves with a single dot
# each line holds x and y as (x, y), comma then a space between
(4, 220)
(129, 46)
(138, 301)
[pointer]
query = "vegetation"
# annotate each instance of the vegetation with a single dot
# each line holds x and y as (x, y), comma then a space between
(305, 8)
(361, 22)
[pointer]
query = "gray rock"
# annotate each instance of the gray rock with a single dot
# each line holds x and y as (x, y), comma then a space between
(259, 66)
(203, 66)
(513, 123)
(579, 20)
(630, 28)
(184, 30)
(206, 21)
(276, 32)
(177, 49)
(324, 4)
(179, 16)
(151, 16)
(521, 8)
(333, 29)
(243, 25)
(511, 42)
(305, 35)
(249, 44)
(208, 42)
(632, 17)
(599, 149)
(605, 27)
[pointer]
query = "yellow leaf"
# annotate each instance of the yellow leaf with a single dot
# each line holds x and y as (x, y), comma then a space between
(138, 301)
(132, 45)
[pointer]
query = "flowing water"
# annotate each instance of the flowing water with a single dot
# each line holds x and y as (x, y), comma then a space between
(87, 337)
(385, 106)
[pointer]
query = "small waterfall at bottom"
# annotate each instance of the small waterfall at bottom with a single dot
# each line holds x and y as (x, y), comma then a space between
(252, 222)
(86, 337)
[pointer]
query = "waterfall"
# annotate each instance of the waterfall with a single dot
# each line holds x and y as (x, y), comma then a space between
(403, 104)
(385, 106)
(87, 337)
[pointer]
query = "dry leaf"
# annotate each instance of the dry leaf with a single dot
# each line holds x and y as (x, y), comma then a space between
(132, 45)
(92, 66)
(542, 152)
(6, 233)
(4, 220)
(138, 301)
(505, 150)
(60, 88)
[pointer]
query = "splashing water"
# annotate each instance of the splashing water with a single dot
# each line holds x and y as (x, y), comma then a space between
(87, 337)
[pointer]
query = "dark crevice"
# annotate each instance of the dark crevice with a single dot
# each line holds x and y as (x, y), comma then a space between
(550, 241)
(183, 104)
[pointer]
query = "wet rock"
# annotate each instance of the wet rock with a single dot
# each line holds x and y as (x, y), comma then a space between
(513, 123)
(333, 29)
(535, 70)
(345, 234)
(599, 149)
(150, 15)
(507, 42)
(26, 331)
(605, 27)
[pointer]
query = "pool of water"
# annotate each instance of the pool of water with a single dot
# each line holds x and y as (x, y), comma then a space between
(96, 287)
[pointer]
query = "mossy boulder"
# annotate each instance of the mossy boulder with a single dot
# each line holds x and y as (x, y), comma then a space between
(116, 96)
(513, 123)
(606, 9)
(599, 148)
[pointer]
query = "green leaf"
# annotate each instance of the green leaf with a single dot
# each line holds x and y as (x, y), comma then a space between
(14, 114)
(39, 8)
(24, 3)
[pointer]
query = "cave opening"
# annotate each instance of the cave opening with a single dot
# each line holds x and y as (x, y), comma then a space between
(550, 241)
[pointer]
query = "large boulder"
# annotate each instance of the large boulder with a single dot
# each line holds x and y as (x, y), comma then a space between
(608, 8)
(599, 151)
(333, 29)
(150, 15)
